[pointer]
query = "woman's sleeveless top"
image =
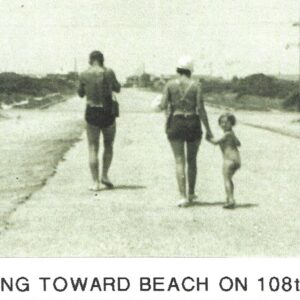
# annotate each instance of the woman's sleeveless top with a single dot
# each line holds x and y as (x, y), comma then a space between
(182, 96)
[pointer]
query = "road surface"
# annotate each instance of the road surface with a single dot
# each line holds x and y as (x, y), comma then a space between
(140, 218)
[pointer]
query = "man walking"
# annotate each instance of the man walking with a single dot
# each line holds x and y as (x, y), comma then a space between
(97, 83)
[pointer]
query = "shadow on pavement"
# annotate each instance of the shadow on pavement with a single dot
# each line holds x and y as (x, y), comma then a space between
(198, 203)
(124, 187)
(244, 205)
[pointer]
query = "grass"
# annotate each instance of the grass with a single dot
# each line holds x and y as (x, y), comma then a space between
(246, 102)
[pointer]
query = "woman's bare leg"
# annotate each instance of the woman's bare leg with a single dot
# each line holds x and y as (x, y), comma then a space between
(93, 134)
(108, 137)
(179, 154)
(192, 151)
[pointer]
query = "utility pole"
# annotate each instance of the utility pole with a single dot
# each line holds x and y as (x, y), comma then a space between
(297, 24)
(158, 34)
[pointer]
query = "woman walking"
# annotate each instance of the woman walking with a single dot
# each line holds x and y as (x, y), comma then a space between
(97, 83)
(183, 101)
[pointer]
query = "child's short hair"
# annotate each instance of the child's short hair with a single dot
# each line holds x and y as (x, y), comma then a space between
(230, 117)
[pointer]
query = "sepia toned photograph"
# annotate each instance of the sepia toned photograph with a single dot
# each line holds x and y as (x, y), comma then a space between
(149, 128)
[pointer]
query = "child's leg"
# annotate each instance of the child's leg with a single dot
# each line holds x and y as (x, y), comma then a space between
(229, 168)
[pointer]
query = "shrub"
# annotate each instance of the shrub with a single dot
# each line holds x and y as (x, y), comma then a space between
(292, 102)
(12, 84)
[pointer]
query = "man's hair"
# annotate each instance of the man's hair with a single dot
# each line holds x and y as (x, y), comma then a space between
(186, 72)
(230, 117)
(97, 56)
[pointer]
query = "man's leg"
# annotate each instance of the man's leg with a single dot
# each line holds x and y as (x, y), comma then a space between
(108, 138)
(93, 134)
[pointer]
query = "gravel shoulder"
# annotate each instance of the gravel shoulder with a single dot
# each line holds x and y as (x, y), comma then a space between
(32, 144)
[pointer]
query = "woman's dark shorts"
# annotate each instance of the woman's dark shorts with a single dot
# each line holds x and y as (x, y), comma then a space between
(185, 128)
(96, 116)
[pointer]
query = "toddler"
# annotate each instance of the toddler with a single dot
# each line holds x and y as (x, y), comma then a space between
(229, 144)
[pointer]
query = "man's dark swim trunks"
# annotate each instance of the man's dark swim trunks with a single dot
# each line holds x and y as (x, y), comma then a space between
(96, 116)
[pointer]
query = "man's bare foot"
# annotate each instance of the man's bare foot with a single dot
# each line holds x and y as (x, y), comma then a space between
(107, 183)
(95, 187)
(183, 203)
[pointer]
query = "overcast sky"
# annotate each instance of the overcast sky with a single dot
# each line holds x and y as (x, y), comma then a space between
(225, 37)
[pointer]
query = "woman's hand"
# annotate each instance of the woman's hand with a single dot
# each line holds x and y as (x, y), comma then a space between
(209, 135)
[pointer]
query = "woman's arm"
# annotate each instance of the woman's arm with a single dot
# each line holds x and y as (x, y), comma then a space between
(202, 112)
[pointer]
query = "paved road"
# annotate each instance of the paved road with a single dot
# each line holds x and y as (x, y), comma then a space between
(139, 217)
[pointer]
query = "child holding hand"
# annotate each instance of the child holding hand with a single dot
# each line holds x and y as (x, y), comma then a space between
(229, 144)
